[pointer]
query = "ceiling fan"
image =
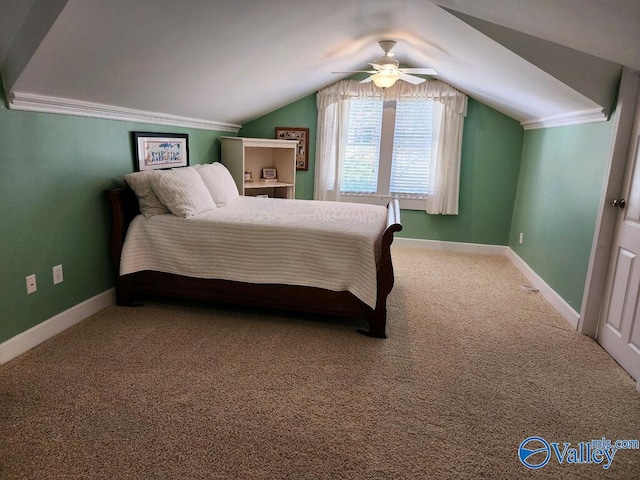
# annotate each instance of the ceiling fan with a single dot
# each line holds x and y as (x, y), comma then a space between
(386, 69)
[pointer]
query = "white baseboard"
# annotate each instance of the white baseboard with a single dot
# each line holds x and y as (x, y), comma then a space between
(556, 301)
(451, 246)
(563, 308)
(49, 328)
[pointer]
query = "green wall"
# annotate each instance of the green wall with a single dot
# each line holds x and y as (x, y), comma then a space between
(559, 190)
(491, 150)
(54, 169)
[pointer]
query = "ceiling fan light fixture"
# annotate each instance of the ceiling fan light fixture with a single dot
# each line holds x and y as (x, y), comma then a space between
(385, 79)
(386, 70)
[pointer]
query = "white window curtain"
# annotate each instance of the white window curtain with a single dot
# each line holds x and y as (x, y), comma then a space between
(333, 110)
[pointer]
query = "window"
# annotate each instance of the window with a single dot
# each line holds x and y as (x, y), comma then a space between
(374, 144)
(388, 148)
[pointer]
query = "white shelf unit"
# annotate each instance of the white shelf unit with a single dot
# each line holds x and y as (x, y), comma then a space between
(240, 155)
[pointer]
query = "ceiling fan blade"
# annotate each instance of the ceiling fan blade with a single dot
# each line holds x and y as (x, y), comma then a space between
(357, 71)
(367, 80)
(420, 71)
(411, 79)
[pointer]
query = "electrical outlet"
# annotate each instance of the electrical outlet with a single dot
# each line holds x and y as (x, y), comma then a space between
(31, 284)
(57, 274)
(521, 238)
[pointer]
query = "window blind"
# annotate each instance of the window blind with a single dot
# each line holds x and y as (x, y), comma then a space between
(362, 150)
(412, 143)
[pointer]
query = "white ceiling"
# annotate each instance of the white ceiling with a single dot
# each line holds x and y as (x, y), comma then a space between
(231, 61)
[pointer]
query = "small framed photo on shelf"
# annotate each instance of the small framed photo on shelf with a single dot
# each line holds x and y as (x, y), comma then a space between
(300, 135)
(269, 174)
(160, 150)
(248, 177)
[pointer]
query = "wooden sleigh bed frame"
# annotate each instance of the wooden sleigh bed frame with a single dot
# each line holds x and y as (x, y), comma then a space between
(130, 287)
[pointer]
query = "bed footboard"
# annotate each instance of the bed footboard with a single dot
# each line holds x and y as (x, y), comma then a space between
(385, 278)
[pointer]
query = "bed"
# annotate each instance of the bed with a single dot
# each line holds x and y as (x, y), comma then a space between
(271, 253)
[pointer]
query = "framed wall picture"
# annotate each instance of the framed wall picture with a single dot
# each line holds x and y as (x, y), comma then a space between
(300, 135)
(160, 150)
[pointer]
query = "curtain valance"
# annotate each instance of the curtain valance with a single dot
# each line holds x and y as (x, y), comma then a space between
(436, 90)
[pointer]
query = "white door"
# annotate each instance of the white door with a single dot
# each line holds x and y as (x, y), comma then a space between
(619, 328)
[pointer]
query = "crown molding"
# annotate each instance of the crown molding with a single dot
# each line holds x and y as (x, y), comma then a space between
(576, 118)
(64, 106)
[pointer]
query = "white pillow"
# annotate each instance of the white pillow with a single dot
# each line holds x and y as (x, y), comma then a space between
(219, 182)
(182, 191)
(140, 183)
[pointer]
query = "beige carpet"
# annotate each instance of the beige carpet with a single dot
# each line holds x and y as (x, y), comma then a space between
(472, 366)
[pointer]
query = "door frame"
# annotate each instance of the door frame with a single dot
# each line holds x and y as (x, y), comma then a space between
(594, 290)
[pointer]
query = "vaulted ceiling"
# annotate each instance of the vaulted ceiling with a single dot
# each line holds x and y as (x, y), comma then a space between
(225, 62)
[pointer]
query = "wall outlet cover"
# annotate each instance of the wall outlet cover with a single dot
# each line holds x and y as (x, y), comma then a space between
(57, 274)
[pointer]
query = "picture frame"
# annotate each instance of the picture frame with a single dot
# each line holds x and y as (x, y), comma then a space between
(248, 177)
(156, 151)
(300, 135)
(269, 174)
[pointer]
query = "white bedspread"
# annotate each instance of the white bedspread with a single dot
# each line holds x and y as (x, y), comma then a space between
(328, 245)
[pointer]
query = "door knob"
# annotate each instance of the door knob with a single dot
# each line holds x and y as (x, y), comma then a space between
(618, 203)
